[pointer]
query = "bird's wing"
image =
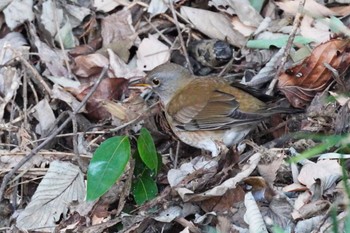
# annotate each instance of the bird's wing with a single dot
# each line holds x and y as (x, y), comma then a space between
(210, 107)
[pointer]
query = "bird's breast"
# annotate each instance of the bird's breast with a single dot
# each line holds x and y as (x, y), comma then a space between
(211, 140)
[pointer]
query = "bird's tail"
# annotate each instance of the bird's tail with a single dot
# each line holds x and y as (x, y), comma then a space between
(278, 109)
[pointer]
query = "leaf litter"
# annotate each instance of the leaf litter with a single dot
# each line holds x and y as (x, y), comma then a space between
(66, 86)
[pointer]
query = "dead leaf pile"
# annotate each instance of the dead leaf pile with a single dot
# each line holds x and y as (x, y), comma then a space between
(67, 70)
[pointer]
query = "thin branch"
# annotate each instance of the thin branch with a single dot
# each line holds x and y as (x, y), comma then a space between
(36, 76)
(180, 37)
(296, 24)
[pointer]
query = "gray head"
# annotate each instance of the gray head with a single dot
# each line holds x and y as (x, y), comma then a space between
(168, 78)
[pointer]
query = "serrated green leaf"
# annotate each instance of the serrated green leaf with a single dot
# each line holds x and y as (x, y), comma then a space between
(107, 165)
(144, 189)
(147, 150)
(279, 42)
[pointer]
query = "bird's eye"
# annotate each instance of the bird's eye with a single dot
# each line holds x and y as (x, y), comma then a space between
(155, 81)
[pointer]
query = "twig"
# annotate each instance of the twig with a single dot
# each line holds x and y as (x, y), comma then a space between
(296, 24)
(25, 100)
(180, 37)
(226, 67)
(134, 120)
(66, 60)
(43, 153)
(75, 143)
(8, 176)
(336, 76)
(177, 154)
(126, 188)
(72, 134)
(186, 223)
(36, 98)
(159, 32)
(36, 76)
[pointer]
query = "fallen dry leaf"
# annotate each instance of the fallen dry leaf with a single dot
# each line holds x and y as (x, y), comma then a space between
(85, 49)
(311, 7)
(301, 82)
(109, 89)
(328, 171)
(214, 25)
(152, 53)
(89, 65)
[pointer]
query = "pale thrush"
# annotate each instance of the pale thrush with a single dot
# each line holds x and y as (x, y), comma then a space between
(206, 112)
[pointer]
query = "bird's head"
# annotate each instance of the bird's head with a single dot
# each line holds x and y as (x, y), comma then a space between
(165, 80)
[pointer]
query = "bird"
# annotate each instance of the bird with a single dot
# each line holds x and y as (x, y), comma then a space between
(206, 112)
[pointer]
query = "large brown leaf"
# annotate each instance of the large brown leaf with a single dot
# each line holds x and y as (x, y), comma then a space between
(301, 82)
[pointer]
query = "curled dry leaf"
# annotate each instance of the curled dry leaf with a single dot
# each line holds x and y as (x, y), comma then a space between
(109, 89)
(313, 209)
(259, 188)
(301, 82)
(253, 215)
(328, 171)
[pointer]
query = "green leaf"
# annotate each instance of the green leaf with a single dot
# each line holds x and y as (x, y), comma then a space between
(335, 225)
(337, 26)
(107, 165)
(277, 229)
(144, 188)
(279, 42)
(66, 35)
(347, 223)
(257, 4)
(147, 150)
(328, 142)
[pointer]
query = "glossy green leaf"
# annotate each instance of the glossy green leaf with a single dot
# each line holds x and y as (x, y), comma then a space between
(107, 165)
(144, 188)
(279, 42)
(147, 150)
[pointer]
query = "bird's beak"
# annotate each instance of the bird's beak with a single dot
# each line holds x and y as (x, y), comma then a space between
(138, 82)
(141, 85)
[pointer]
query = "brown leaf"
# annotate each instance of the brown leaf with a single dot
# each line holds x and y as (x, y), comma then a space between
(224, 203)
(85, 49)
(89, 65)
(109, 89)
(301, 82)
